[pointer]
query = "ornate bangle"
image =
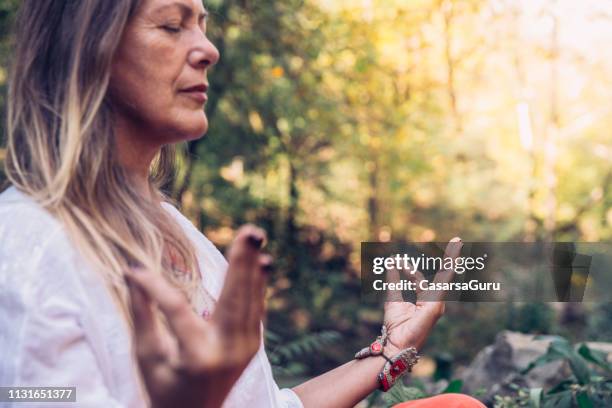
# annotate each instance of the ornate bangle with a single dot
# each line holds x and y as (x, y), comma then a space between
(376, 348)
(396, 366)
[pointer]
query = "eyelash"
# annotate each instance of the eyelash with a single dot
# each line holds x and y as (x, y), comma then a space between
(172, 29)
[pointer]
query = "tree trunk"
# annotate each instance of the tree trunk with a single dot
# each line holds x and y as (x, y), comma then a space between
(373, 206)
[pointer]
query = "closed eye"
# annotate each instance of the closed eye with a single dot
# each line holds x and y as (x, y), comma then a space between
(171, 28)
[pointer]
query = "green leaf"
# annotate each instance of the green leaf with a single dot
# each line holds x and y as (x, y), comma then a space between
(562, 386)
(453, 387)
(535, 397)
(544, 359)
(577, 363)
(550, 337)
(584, 401)
(272, 337)
(418, 383)
(595, 356)
(401, 393)
(559, 400)
(301, 348)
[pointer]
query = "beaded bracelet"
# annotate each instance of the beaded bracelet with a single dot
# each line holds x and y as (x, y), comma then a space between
(396, 366)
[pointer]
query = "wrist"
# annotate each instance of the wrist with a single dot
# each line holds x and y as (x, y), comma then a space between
(392, 349)
(398, 360)
(398, 344)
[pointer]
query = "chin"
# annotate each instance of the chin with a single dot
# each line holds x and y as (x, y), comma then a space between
(194, 130)
(195, 136)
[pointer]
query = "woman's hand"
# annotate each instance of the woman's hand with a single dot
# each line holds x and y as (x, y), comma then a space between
(409, 323)
(198, 362)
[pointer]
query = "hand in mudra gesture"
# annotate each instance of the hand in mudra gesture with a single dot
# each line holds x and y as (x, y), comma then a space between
(409, 323)
(198, 362)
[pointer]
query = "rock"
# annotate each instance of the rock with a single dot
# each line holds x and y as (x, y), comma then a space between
(601, 346)
(497, 366)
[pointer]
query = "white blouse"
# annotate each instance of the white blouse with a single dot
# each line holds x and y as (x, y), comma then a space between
(60, 327)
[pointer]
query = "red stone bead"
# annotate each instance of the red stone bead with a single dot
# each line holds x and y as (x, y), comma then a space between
(397, 368)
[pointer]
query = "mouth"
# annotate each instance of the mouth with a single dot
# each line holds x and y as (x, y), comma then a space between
(197, 92)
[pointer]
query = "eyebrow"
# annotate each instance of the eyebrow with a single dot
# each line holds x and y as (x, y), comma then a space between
(186, 11)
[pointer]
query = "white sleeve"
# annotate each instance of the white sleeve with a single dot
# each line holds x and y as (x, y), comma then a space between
(42, 332)
(55, 353)
(289, 399)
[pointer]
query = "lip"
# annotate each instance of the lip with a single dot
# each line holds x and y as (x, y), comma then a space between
(197, 92)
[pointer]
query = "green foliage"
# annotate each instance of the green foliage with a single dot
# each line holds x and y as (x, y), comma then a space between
(454, 387)
(588, 386)
(533, 318)
(416, 390)
(401, 393)
(600, 323)
(8, 9)
(287, 359)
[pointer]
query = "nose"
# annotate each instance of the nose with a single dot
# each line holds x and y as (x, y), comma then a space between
(204, 54)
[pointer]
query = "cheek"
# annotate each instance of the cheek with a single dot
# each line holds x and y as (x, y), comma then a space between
(141, 77)
(144, 83)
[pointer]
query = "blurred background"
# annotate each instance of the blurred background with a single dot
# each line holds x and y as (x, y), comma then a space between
(336, 122)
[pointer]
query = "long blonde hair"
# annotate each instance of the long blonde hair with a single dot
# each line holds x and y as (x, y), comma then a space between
(61, 146)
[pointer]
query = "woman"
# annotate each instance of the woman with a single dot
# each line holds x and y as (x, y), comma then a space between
(106, 286)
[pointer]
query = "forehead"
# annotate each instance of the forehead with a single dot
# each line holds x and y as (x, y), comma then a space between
(164, 6)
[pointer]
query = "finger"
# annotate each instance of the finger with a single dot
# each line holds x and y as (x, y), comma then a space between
(253, 235)
(147, 341)
(452, 252)
(415, 276)
(243, 259)
(258, 291)
(393, 277)
(184, 323)
(232, 310)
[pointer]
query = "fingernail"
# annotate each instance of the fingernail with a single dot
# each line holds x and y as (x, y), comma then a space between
(255, 241)
(267, 265)
(456, 239)
(267, 269)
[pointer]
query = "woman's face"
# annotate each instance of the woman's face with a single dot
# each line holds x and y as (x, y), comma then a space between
(159, 76)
